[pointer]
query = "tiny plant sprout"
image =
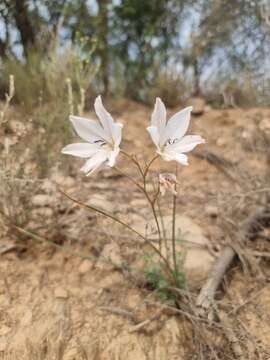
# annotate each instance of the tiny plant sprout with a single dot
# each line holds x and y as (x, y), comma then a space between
(169, 136)
(102, 140)
(101, 148)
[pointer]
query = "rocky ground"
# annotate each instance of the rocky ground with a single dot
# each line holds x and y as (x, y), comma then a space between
(65, 302)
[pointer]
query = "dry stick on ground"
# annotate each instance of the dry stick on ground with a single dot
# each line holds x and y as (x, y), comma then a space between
(218, 161)
(213, 158)
(248, 230)
(118, 311)
(146, 322)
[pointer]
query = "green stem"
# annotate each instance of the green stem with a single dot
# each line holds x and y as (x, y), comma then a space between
(163, 229)
(173, 228)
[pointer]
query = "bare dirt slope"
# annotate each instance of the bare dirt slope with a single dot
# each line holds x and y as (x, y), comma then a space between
(56, 305)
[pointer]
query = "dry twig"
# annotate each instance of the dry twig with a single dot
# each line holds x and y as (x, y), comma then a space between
(248, 230)
(118, 311)
(144, 323)
(218, 161)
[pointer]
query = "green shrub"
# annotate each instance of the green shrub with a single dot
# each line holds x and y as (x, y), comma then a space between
(158, 280)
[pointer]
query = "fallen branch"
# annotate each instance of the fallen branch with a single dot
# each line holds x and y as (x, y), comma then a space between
(218, 161)
(118, 311)
(146, 322)
(248, 230)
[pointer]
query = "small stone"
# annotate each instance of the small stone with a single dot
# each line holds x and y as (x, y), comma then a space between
(198, 105)
(60, 293)
(211, 211)
(41, 200)
(139, 203)
(71, 354)
(133, 299)
(221, 141)
(85, 266)
(4, 330)
(112, 252)
(111, 280)
(247, 134)
(4, 300)
(27, 318)
(17, 127)
(45, 212)
(66, 181)
(48, 186)
(3, 344)
(265, 124)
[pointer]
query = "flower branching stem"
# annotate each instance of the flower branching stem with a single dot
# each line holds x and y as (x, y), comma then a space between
(134, 160)
(143, 188)
(149, 165)
(104, 213)
(136, 183)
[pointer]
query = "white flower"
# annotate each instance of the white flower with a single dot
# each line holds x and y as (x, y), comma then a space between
(102, 139)
(169, 136)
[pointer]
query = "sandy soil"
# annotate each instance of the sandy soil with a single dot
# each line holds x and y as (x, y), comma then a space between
(56, 305)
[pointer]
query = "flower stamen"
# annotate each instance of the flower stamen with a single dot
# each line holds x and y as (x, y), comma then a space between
(171, 141)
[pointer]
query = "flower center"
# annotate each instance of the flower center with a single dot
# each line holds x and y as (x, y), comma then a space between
(100, 142)
(103, 144)
(171, 141)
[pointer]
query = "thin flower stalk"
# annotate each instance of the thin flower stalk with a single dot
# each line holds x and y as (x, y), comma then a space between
(164, 234)
(173, 225)
(144, 190)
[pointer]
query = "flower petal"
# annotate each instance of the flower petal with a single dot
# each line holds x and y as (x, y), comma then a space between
(94, 162)
(177, 125)
(117, 133)
(88, 130)
(187, 143)
(84, 150)
(154, 133)
(158, 117)
(113, 156)
(96, 168)
(181, 158)
(104, 117)
(169, 156)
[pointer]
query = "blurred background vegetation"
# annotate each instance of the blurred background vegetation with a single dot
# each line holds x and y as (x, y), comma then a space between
(136, 49)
